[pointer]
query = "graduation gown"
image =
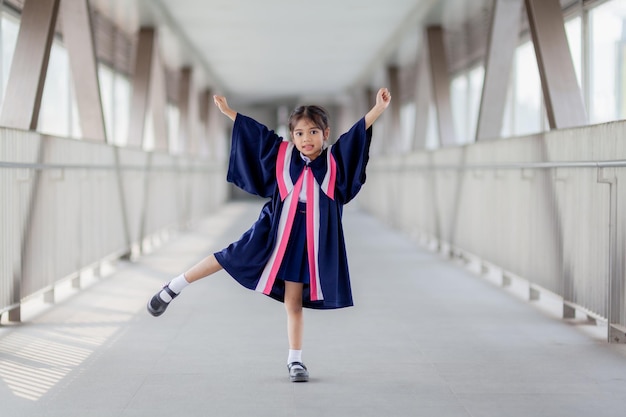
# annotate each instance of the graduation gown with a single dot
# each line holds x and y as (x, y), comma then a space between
(262, 163)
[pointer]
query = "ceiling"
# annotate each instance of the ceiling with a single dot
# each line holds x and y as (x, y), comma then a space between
(269, 50)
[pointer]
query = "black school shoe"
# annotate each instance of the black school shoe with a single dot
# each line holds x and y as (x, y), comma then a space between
(298, 372)
(156, 305)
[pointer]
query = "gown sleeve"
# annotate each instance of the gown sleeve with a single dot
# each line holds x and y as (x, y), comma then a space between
(252, 163)
(351, 153)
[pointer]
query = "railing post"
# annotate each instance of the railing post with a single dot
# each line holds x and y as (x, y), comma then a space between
(15, 314)
(146, 201)
(615, 287)
(123, 203)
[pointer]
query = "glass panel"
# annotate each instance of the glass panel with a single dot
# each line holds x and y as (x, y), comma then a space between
(75, 127)
(476, 78)
(458, 95)
(173, 126)
(10, 28)
(105, 79)
(148, 135)
(466, 90)
(607, 62)
(574, 39)
(507, 122)
(54, 117)
(121, 110)
(432, 133)
(407, 121)
(528, 96)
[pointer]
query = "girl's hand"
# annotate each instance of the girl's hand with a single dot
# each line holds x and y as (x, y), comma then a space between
(222, 104)
(383, 98)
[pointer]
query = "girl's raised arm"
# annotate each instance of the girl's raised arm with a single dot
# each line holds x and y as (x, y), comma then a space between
(222, 104)
(383, 98)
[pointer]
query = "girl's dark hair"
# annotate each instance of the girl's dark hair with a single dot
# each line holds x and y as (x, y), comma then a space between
(316, 114)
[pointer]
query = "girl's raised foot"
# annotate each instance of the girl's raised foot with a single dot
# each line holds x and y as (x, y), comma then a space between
(156, 305)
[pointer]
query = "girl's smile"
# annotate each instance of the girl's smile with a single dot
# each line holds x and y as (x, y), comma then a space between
(309, 138)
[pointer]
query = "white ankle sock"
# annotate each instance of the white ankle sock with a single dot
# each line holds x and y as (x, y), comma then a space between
(294, 356)
(176, 285)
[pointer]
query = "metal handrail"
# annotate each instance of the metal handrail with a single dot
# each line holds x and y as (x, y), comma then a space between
(620, 163)
(102, 167)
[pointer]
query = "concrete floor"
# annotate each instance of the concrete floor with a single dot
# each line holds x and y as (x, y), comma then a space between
(427, 337)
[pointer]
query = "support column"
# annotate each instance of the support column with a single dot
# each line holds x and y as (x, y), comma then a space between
(21, 107)
(148, 93)
(29, 66)
(561, 92)
(204, 107)
(395, 129)
(141, 84)
(188, 106)
(423, 95)
(441, 85)
(184, 107)
(501, 46)
(158, 103)
(79, 40)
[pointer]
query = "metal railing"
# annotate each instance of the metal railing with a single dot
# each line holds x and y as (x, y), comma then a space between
(545, 208)
(67, 205)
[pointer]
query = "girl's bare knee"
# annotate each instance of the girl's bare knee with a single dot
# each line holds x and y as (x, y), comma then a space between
(293, 298)
(293, 306)
(293, 311)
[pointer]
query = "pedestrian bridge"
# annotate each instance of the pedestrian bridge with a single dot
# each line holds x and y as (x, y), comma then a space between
(486, 247)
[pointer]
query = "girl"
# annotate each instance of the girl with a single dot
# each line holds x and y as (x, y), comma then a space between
(295, 252)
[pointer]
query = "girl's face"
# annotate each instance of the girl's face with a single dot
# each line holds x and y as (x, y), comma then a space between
(308, 138)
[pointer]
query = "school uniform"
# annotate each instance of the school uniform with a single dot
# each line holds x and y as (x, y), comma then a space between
(298, 235)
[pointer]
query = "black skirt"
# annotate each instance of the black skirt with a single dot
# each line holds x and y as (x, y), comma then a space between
(295, 266)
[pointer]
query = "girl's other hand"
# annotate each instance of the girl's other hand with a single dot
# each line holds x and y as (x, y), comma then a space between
(383, 98)
(222, 104)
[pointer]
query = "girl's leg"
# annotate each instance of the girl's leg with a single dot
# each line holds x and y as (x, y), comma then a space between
(295, 326)
(295, 322)
(202, 269)
(159, 302)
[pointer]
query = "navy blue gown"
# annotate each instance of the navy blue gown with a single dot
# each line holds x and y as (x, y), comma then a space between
(262, 163)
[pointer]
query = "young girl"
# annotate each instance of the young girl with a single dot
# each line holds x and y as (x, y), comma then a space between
(295, 252)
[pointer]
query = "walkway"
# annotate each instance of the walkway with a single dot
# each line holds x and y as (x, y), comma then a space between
(426, 338)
